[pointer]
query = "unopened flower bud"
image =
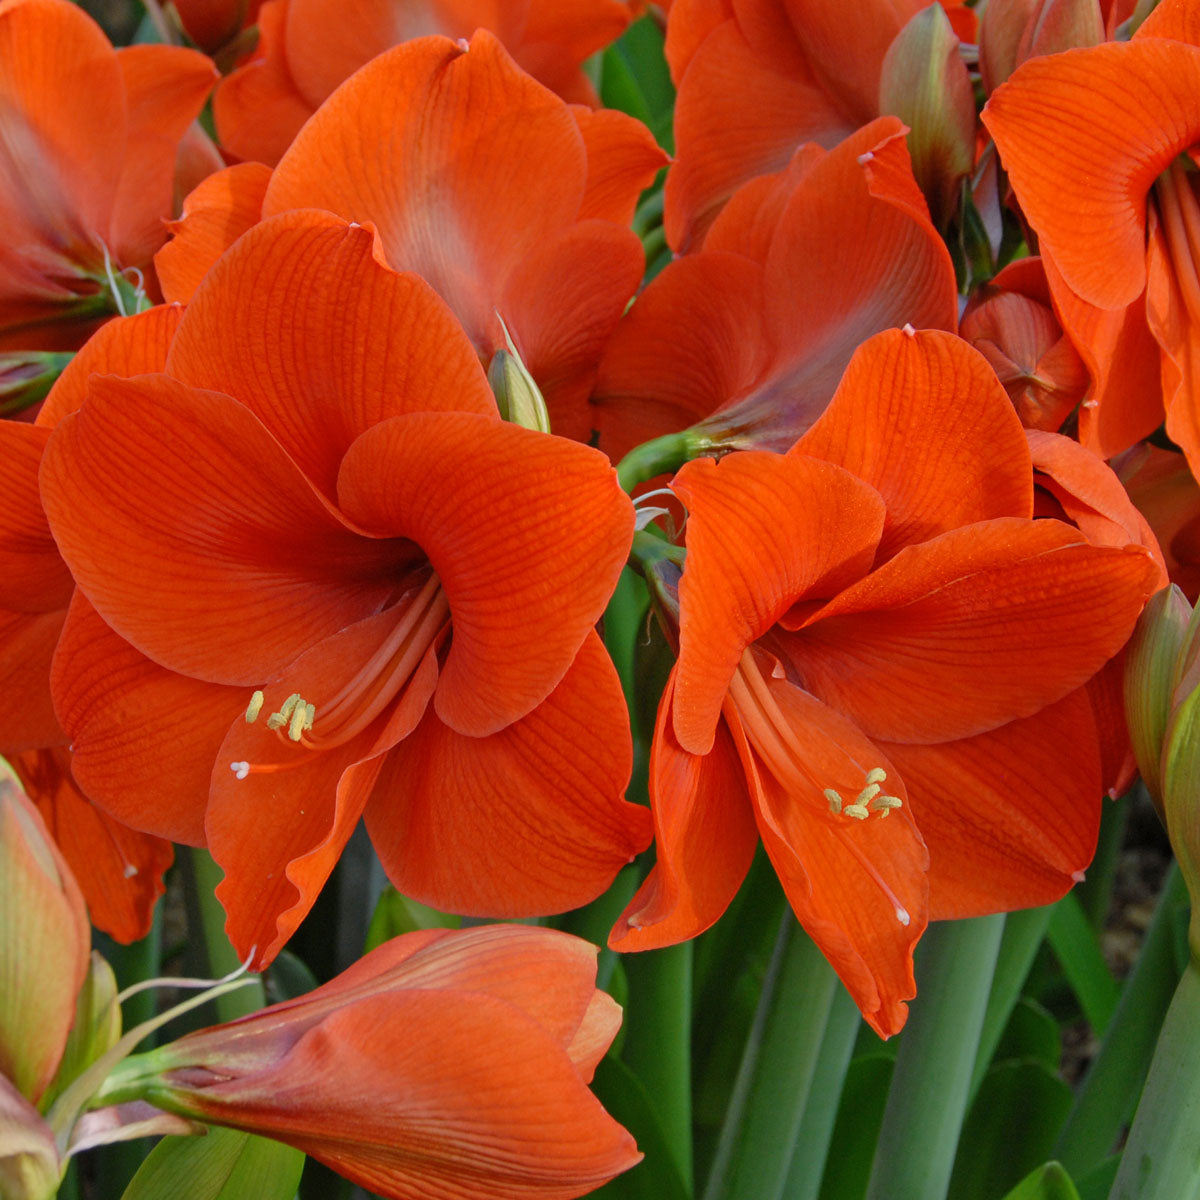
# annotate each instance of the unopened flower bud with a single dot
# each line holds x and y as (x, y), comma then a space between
(517, 395)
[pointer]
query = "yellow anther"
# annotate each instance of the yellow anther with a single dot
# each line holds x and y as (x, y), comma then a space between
(884, 804)
(276, 721)
(868, 793)
(289, 706)
(310, 715)
(296, 727)
(876, 775)
(835, 801)
(857, 811)
(254, 708)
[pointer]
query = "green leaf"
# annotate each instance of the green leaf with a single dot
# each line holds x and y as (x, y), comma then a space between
(1077, 948)
(288, 977)
(1097, 1183)
(1011, 1125)
(1048, 1182)
(1032, 1034)
(223, 1165)
(627, 1101)
(856, 1130)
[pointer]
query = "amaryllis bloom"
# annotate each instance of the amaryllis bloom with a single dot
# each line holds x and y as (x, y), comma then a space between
(1110, 190)
(882, 674)
(752, 333)
(319, 578)
(449, 1065)
(307, 47)
(1166, 492)
(1013, 325)
(759, 79)
(88, 143)
(512, 204)
(214, 24)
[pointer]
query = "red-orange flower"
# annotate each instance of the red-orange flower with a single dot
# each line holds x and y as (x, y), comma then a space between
(450, 1065)
(88, 143)
(879, 652)
(1108, 187)
(318, 502)
(308, 47)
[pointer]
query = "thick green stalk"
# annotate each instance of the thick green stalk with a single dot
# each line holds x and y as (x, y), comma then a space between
(812, 1141)
(928, 1097)
(1110, 1088)
(1161, 1160)
(222, 958)
(772, 1088)
(658, 1041)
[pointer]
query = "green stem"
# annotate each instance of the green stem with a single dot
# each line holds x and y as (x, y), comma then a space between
(813, 1138)
(1161, 1160)
(780, 1058)
(658, 1047)
(1095, 892)
(206, 910)
(659, 456)
(1112, 1083)
(928, 1097)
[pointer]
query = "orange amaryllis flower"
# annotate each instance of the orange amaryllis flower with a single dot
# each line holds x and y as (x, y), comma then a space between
(444, 1064)
(88, 143)
(881, 668)
(811, 67)
(751, 334)
(1166, 492)
(307, 47)
(1116, 210)
(323, 579)
(512, 204)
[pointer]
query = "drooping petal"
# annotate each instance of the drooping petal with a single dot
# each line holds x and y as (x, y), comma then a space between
(704, 836)
(306, 328)
(622, 160)
(973, 629)
(1010, 816)
(119, 870)
(231, 564)
(1115, 114)
(763, 531)
(526, 532)
(921, 417)
(214, 216)
(144, 738)
(528, 820)
(858, 887)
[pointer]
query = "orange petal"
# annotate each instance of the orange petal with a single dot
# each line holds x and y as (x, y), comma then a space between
(857, 886)
(1010, 816)
(527, 821)
(125, 346)
(973, 629)
(1115, 115)
(144, 738)
(922, 418)
(230, 563)
(704, 836)
(763, 532)
(119, 870)
(526, 532)
(468, 139)
(33, 576)
(1175, 19)
(214, 216)
(166, 87)
(27, 719)
(309, 331)
(622, 161)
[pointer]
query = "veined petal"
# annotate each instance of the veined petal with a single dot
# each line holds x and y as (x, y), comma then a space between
(1010, 816)
(144, 738)
(922, 418)
(27, 718)
(704, 837)
(858, 886)
(230, 563)
(972, 629)
(1116, 115)
(764, 531)
(526, 821)
(527, 533)
(442, 149)
(320, 340)
(622, 160)
(215, 215)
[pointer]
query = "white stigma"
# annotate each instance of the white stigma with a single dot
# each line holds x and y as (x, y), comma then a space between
(240, 769)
